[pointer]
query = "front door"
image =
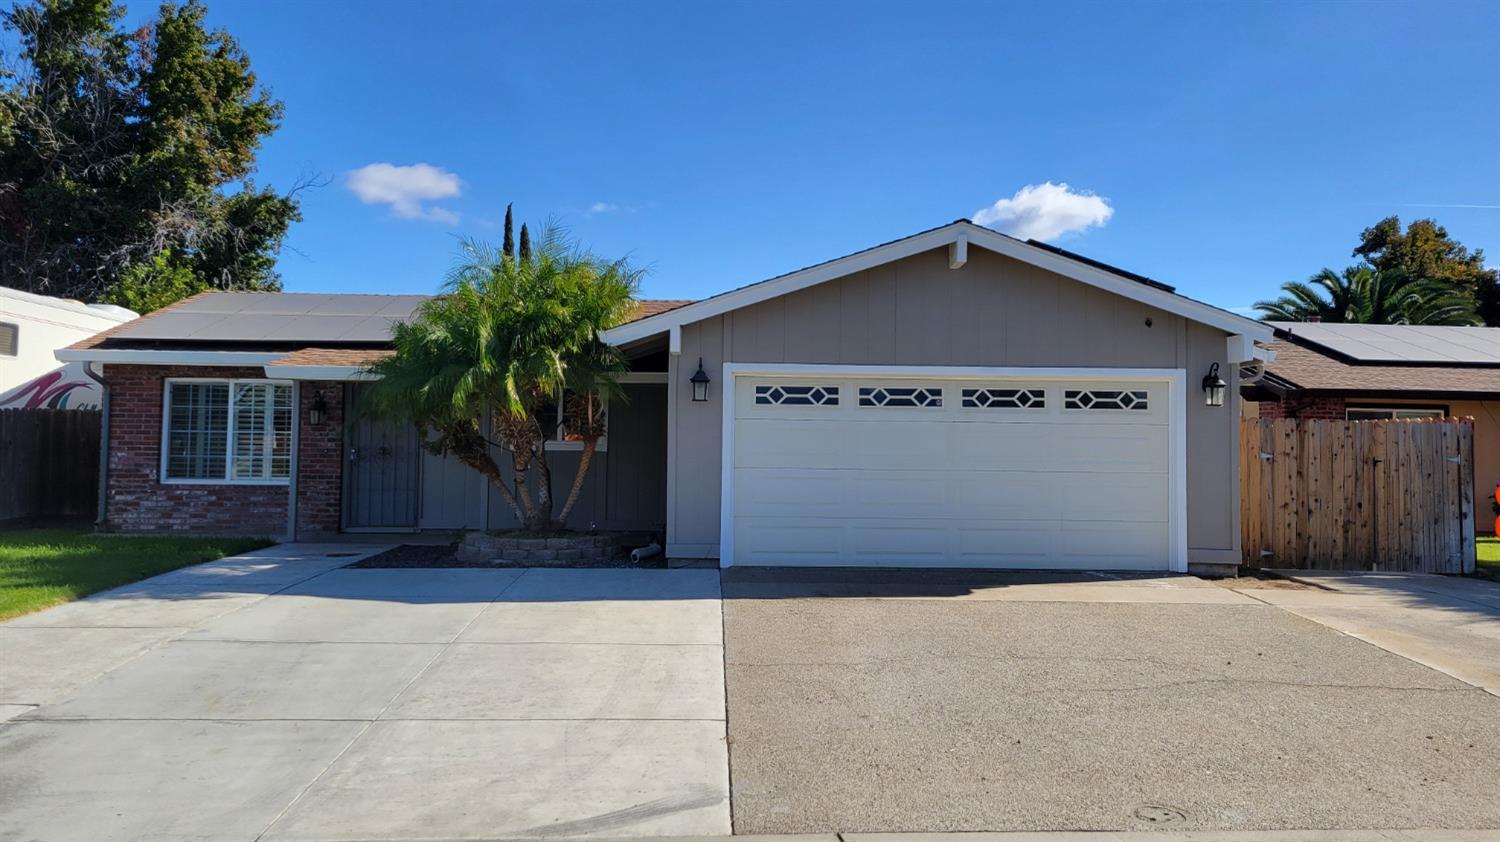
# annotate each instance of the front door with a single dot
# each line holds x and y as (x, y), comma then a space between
(382, 476)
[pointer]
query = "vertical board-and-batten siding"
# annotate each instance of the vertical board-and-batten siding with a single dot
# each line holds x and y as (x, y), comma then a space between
(994, 311)
(626, 484)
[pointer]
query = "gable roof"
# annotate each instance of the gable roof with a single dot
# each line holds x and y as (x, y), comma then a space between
(957, 236)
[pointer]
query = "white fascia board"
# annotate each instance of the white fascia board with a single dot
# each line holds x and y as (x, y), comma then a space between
(320, 372)
(947, 235)
(118, 356)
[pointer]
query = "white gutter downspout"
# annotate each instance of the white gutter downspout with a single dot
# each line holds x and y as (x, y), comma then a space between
(88, 369)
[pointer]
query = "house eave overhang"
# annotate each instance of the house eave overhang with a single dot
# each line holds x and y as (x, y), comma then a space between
(351, 373)
(958, 237)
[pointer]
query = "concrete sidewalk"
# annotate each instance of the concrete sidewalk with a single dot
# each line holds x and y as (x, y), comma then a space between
(1450, 624)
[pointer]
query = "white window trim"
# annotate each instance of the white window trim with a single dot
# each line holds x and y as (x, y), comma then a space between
(166, 418)
(1174, 378)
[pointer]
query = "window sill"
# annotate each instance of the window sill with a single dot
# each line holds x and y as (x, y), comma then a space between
(251, 482)
(565, 446)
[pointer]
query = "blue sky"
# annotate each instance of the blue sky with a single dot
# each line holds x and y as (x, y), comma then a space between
(1236, 145)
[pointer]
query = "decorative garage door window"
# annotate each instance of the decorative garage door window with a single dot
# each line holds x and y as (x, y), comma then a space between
(920, 396)
(1104, 399)
(1004, 399)
(797, 395)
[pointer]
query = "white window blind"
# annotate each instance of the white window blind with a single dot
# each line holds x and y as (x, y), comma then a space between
(227, 431)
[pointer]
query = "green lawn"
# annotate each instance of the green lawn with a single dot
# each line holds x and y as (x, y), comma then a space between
(1489, 558)
(43, 567)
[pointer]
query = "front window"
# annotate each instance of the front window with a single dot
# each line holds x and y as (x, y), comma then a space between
(227, 431)
(553, 419)
(1394, 413)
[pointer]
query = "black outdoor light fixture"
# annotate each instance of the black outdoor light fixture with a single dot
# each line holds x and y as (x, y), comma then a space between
(1213, 387)
(700, 383)
(318, 412)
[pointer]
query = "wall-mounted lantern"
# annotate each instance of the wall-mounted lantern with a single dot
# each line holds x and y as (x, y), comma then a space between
(700, 383)
(318, 412)
(1213, 387)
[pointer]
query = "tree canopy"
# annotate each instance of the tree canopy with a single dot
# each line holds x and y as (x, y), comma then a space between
(1366, 295)
(1425, 251)
(127, 157)
(507, 338)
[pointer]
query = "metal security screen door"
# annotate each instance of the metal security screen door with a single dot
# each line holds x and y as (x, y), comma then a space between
(382, 474)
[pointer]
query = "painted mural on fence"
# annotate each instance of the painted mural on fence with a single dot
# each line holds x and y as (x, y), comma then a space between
(65, 388)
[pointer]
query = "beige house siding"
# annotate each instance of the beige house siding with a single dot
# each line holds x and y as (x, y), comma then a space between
(626, 484)
(995, 311)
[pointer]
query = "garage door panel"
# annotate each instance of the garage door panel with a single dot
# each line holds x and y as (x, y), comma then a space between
(1123, 545)
(780, 491)
(1112, 449)
(786, 541)
(1130, 497)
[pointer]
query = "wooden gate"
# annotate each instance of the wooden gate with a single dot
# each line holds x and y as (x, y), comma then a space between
(49, 463)
(1358, 495)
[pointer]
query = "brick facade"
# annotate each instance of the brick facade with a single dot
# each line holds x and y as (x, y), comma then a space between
(1331, 409)
(320, 462)
(138, 501)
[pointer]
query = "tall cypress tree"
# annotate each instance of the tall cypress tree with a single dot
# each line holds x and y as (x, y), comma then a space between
(525, 244)
(508, 247)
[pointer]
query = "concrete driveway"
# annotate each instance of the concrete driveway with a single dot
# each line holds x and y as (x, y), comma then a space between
(276, 696)
(940, 701)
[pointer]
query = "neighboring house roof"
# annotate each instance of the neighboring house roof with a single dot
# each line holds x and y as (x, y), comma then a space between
(1401, 344)
(1393, 361)
(957, 236)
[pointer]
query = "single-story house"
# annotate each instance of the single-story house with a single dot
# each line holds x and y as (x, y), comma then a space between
(955, 398)
(1368, 372)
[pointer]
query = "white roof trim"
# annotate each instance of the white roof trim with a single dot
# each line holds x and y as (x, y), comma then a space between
(149, 357)
(949, 234)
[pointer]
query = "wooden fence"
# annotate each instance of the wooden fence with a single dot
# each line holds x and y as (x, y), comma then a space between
(1358, 495)
(49, 463)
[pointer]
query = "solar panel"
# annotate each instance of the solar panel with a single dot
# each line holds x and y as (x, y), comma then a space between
(1402, 343)
(278, 317)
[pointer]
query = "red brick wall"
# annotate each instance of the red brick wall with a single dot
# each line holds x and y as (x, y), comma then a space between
(139, 502)
(320, 462)
(1326, 408)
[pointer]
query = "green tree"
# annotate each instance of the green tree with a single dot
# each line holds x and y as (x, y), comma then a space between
(1365, 295)
(118, 147)
(508, 244)
(152, 285)
(1425, 251)
(505, 339)
(525, 243)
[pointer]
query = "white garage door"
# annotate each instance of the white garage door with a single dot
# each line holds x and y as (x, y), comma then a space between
(912, 472)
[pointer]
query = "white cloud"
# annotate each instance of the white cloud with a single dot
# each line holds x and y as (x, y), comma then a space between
(407, 189)
(1046, 211)
(602, 207)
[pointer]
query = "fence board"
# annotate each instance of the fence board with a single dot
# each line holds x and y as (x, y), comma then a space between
(1362, 495)
(49, 459)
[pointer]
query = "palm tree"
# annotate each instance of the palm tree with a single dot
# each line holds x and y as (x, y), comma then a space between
(1362, 294)
(505, 338)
